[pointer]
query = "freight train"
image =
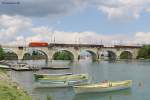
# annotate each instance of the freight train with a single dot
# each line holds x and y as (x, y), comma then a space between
(38, 44)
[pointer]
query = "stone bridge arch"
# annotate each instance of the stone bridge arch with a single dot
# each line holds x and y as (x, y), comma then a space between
(10, 53)
(92, 52)
(118, 52)
(27, 51)
(112, 55)
(128, 54)
(71, 51)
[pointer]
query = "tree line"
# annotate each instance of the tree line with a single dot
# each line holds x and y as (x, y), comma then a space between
(144, 52)
(2, 54)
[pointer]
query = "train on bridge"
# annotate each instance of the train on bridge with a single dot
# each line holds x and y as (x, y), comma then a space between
(38, 44)
(96, 50)
(45, 44)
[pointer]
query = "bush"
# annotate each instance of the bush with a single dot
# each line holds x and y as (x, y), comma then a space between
(144, 52)
(2, 54)
(63, 55)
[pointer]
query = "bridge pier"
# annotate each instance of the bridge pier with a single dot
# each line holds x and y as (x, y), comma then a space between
(20, 53)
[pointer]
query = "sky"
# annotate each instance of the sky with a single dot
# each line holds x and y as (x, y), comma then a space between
(108, 22)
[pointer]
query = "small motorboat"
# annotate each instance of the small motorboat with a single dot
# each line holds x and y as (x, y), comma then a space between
(64, 80)
(4, 66)
(55, 68)
(24, 67)
(103, 87)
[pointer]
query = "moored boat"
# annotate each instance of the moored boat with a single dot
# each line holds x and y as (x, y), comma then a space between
(3, 66)
(103, 87)
(64, 80)
(55, 68)
(24, 67)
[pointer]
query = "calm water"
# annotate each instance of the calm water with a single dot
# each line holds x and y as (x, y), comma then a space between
(137, 71)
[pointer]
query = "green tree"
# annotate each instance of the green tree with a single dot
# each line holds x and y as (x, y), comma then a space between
(10, 56)
(2, 54)
(126, 55)
(144, 52)
(27, 56)
(63, 55)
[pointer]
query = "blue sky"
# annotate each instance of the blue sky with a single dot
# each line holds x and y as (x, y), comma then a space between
(93, 20)
(84, 21)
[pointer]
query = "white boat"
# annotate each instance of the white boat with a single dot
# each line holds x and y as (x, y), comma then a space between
(64, 80)
(103, 87)
(2, 66)
(24, 67)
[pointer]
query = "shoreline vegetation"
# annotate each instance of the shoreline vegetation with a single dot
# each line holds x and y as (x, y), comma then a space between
(10, 90)
(144, 52)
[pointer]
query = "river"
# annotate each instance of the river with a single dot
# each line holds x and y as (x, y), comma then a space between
(138, 71)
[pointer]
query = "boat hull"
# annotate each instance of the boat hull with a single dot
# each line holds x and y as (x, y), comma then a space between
(96, 88)
(51, 84)
(7, 67)
(25, 69)
(55, 68)
(61, 80)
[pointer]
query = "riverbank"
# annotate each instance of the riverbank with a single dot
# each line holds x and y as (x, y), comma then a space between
(10, 90)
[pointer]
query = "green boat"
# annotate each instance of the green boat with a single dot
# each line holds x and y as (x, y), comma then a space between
(103, 87)
(60, 80)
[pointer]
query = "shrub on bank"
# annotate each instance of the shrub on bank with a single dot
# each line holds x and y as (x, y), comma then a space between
(144, 52)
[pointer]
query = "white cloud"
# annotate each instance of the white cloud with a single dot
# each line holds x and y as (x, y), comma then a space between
(15, 21)
(11, 25)
(123, 8)
(44, 34)
(42, 8)
(39, 8)
(143, 37)
(41, 29)
(147, 10)
(121, 12)
(83, 38)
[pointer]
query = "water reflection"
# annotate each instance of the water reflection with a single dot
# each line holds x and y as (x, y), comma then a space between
(54, 93)
(103, 96)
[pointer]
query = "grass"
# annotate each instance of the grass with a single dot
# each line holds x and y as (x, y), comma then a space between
(49, 98)
(10, 90)
(3, 71)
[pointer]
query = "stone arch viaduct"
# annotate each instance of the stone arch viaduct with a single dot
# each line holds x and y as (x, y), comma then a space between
(75, 49)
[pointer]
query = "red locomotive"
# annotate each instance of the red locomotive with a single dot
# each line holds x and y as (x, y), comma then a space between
(38, 44)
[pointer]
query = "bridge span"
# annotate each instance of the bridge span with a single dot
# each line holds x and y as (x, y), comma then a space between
(75, 49)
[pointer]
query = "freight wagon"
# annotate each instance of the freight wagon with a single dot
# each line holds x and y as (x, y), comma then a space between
(38, 44)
